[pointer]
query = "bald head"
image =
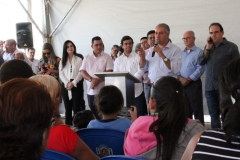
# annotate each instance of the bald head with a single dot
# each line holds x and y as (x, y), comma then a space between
(189, 39)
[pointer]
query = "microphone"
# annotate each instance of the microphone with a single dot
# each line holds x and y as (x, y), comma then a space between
(153, 53)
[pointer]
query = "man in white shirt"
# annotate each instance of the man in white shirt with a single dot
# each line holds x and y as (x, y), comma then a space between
(164, 59)
(98, 61)
(34, 62)
(129, 61)
(11, 49)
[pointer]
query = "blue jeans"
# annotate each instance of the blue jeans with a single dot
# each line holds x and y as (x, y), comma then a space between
(213, 100)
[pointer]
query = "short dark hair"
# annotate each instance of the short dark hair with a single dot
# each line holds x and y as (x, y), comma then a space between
(24, 119)
(31, 48)
(115, 46)
(126, 38)
(143, 38)
(109, 100)
(15, 69)
(216, 24)
(150, 32)
(96, 38)
(82, 118)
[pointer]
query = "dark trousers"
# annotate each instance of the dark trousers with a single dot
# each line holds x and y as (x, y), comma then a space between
(92, 106)
(76, 104)
(193, 93)
(213, 100)
(140, 103)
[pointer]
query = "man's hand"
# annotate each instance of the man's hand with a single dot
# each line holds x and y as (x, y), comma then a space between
(209, 43)
(184, 81)
(95, 82)
(158, 49)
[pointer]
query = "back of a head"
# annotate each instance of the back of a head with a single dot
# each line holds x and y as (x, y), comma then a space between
(50, 83)
(172, 113)
(229, 84)
(82, 118)
(25, 119)
(109, 100)
(15, 69)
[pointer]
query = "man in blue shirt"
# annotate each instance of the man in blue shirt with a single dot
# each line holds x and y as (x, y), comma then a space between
(190, 74)
(164, 58)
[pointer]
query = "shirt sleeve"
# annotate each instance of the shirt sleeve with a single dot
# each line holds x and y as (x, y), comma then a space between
(83, 67)
(78, 76)
(235, 52)
(109, 65)
(62, 139)
(176, 61)
(199, 70)
(62, 75)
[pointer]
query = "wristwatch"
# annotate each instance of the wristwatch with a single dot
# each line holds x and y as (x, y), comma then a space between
(90, 79)
(165, 59)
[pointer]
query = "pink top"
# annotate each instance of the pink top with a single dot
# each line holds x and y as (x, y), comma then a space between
(92, 64)
(138, 139)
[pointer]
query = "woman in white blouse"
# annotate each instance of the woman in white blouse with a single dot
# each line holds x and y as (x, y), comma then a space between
(70, 76)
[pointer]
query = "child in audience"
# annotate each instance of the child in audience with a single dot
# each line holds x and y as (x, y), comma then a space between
(82, 118)
(109, 102)
(165, 135)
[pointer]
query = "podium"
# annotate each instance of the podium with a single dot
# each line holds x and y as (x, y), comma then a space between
(125, 83)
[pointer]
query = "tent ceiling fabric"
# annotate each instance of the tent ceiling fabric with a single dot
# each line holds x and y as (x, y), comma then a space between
(112, 19)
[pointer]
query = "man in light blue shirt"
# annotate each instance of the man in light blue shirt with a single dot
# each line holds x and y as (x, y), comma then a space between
(190, 74)
(164, 58)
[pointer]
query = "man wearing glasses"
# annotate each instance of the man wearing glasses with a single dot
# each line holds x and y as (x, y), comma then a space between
(217, 53)
(190, 74)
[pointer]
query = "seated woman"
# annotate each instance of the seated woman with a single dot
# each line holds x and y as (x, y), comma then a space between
(61, 137)
(25, 119)
(221, 144)
(109, 102)
(166, 135)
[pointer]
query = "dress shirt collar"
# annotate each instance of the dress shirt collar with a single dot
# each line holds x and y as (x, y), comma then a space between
(98, 54)
(192, 49)
(131, 54)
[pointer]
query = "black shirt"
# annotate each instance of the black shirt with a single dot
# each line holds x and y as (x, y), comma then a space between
(218, 57)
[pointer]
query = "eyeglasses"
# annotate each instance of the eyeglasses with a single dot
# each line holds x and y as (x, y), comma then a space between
(48, 53)
(187, 38)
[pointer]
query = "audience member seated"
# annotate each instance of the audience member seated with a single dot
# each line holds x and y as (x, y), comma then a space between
(25, 119)
(82, 118)
(61, 137)
(166, 135)
(109, 102)
(14, 69)
(221, 143)
(19, 55)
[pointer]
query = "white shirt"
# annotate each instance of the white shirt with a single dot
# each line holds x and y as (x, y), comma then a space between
(130, 64)
(92, 64)
(34, 65)
(157, 68)
(71, 71)
(8, 56)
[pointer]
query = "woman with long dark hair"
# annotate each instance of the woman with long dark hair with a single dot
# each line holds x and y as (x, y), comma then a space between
(166, 133)
(222, 143)
(71, 90)
(49, 62)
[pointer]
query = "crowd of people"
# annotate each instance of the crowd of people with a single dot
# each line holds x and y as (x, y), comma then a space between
(161, 124)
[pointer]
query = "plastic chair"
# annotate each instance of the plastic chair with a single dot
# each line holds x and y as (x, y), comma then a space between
(55, 155)
(120, 157)
(103, 142)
